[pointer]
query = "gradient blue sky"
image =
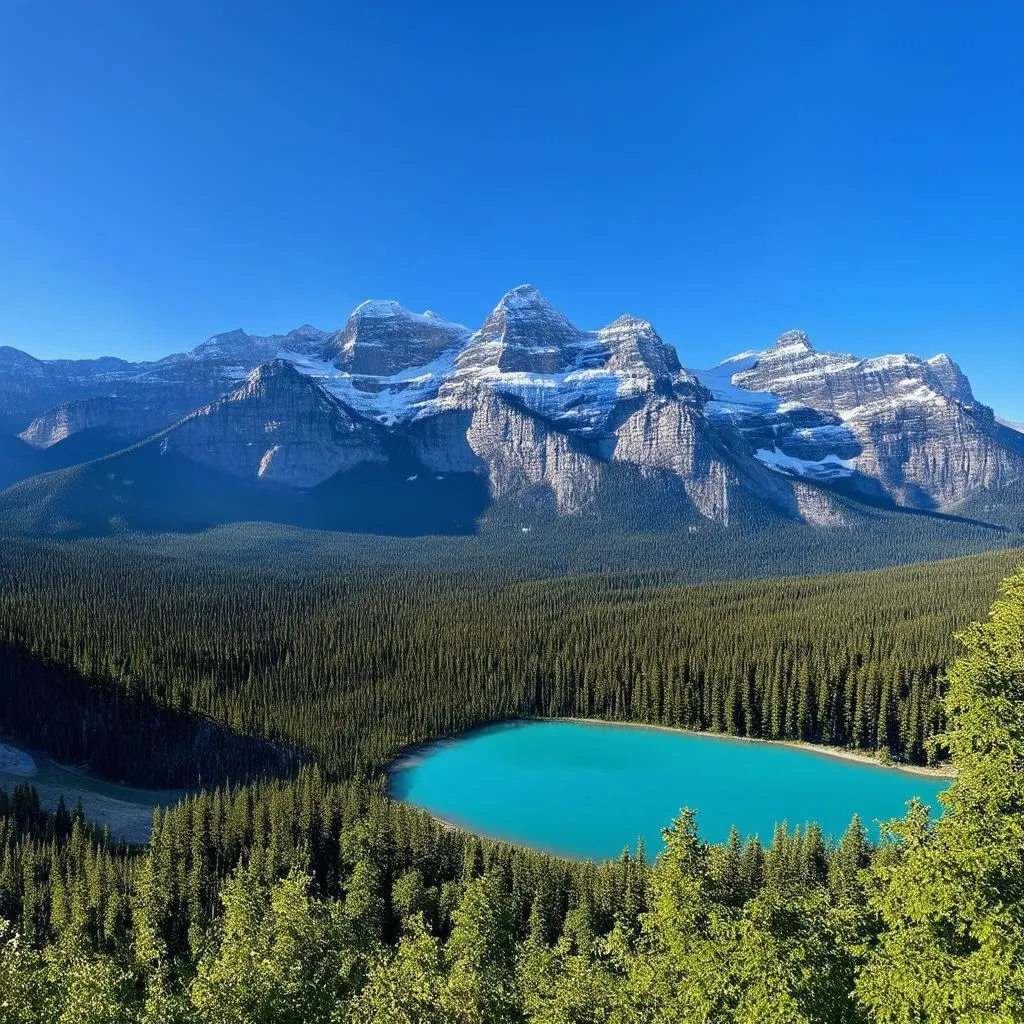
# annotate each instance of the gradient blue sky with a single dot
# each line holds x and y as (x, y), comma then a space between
(725, 169)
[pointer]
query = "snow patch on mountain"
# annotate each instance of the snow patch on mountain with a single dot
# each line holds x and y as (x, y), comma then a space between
(730, 401)
(831, 467)
(388, 400)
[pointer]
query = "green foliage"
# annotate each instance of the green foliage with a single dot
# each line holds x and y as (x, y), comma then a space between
(281, 957)
(315, 897)
(174, 671)
(407, 985)
(952, 905)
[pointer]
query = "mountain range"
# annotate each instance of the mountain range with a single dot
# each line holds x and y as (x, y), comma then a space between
(402, 422)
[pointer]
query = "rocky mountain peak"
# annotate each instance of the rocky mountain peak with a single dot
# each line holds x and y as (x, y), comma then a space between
(792, 342)
(382, 338)
(280, 425)
(273, 373)
(13, 360)
(277, 383)
(306, 340)
(531, 401)
(525, 334)
(523, 296)
(373, 308)
(227, 344)
(635, 345)
(947, 378)
(235, 348)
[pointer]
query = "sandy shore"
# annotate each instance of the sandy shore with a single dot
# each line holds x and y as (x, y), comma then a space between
(937, 772)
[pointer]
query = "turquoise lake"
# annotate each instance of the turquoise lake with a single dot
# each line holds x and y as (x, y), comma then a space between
(587, 791)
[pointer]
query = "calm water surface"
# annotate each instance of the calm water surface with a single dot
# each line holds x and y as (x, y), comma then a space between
(588, 791)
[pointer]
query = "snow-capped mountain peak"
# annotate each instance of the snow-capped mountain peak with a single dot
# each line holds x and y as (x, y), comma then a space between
(902, 426)
(525, 333)
(382, 338)
(531, 400)
(523, 296)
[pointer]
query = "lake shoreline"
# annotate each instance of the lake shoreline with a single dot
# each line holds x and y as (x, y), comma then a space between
(411, 753)
(844, 753)
(799, 780)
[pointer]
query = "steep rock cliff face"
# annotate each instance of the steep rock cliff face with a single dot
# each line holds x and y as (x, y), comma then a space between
(142, 415)
(279, 426)
(668, 433)
(520, 451)
(534, 402)
(30, 386)
(933, 452)
(382, 339)
(839, 383)
(600, 419)
(899, 425)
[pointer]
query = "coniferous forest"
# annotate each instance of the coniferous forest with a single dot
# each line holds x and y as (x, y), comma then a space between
(290, 887)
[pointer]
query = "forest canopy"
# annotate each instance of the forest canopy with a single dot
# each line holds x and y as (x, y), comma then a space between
(294, 889)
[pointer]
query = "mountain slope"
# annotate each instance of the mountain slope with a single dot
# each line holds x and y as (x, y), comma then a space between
(537, 417)
(899, 427)
(279, 448)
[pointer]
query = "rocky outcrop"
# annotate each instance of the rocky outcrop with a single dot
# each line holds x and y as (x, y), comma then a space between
(902, 426)
(382, 339)
(247, 351)
(30, 386)
(520, 451)
(123, 420)
(534, 404)
(667, 433)
(843, 384)
(279, 426)
(526, 334)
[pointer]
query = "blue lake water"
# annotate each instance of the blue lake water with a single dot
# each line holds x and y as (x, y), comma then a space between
(588, 791)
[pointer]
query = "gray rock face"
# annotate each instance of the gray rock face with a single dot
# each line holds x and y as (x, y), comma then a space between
(536, 405)
(526, 334)
(382, 338)
(900, 425)
(521, 451)
(636, 348)
(30, 386)
(128, 420)
(670, 434)
(844, 384)
(279, 426)
(247, 351)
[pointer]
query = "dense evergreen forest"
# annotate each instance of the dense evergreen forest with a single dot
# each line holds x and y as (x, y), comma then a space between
(316, 899)
(174, 670)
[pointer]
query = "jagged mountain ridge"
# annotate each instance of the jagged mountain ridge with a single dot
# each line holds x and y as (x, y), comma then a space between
(544, 411)
(900, 427)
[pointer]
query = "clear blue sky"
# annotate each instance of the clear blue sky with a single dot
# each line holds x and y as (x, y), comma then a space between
(725, 169)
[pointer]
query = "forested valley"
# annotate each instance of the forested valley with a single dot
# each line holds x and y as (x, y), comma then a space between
(290, 887)
(182, 671)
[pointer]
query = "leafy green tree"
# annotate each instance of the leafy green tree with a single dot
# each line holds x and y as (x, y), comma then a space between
(93, 989)
(560, 986)
(364, 904)
(25, 996)
(480, 957)
(851, 857)
(409, 895)
(282, 957)
(952, 903)
(405, 986)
